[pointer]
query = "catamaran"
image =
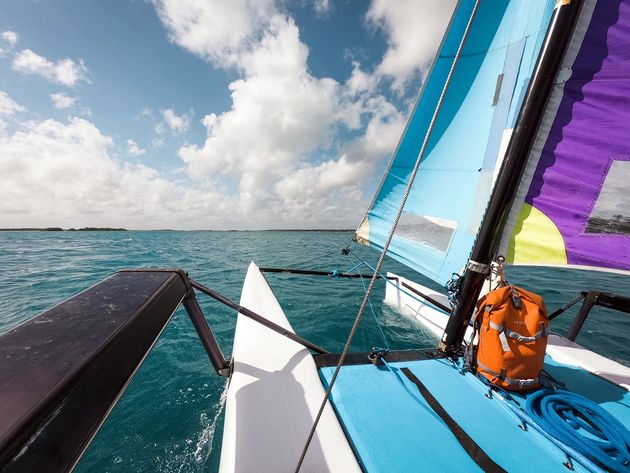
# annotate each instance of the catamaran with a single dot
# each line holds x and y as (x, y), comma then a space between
(515, 153)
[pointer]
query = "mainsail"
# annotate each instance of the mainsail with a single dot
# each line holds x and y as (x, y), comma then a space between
(573, 204)
(450, 193)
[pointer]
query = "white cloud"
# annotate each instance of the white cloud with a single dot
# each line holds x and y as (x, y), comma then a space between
(61, 100)
(8, 106)
(360, 81)
(65, 71)
(178, 124)
(312, 195)
(277, 158)
(63, 174)
(280, 116)
(281, 145)
(336, 184)
(414, 33)
(322, 6)
(157, 142)
(10, 37)
(145, 113)
(213, 29)
(133, 149)
(280, 141)
(279, 113)
(381, 134)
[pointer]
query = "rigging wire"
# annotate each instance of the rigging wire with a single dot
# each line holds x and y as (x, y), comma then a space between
(312, 259)
(400, 289)
(390, 236)
(380, 329)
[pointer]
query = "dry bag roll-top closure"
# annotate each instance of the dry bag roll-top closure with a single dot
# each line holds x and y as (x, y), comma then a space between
(512, 325)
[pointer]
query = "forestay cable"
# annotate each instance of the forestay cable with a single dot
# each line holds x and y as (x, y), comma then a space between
(381, 258)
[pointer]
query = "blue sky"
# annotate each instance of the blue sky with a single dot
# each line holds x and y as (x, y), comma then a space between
(204, 114)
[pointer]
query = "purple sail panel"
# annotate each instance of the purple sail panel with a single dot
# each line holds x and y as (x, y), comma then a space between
(576, 209)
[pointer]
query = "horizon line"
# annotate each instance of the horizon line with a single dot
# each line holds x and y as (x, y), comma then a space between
(112, 229)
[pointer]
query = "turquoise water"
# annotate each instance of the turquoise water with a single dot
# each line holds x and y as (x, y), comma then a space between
(169, 418)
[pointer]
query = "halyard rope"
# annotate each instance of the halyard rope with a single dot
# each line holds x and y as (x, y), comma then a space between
(381, 258)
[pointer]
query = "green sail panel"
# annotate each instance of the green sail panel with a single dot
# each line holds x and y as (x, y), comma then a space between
(451, 190)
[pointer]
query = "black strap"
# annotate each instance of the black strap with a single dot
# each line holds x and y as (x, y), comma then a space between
(480, 457)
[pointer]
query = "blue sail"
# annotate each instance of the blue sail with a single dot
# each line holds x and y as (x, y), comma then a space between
(451, 190)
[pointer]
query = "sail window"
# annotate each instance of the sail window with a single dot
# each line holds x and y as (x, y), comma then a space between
(611, 212)
(429, 231)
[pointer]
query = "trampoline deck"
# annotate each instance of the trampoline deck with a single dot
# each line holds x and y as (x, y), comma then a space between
(392, 428)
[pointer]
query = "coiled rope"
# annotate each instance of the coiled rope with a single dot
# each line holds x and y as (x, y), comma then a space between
(381, 258)
(582, 425)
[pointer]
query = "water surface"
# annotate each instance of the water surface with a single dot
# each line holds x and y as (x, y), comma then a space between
(168, 419)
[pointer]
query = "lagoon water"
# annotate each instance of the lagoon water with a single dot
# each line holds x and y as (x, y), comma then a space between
(169, 419)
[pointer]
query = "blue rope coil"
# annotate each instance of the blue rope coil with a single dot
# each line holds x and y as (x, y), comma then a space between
(582, 425)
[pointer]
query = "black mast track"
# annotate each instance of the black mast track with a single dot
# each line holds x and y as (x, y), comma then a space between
(541, 84)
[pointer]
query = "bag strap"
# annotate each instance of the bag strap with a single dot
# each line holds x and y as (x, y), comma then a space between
(469, 351)
(521, 383)
(480, 457)
(505, 333)
(516, 299)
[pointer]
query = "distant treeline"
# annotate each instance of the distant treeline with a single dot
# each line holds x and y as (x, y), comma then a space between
(59, 229)
(97, 229)
(290, 230)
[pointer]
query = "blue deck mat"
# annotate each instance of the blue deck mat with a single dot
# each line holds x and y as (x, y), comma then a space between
(392, 429)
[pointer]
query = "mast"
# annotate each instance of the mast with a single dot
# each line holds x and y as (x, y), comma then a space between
(561, 26)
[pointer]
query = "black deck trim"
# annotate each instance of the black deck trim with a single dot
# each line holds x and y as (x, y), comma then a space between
(361, 358)
(63, 371)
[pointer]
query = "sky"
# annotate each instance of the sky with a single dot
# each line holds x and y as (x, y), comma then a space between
(205, 114)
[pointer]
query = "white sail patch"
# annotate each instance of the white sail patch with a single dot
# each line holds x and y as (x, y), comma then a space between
(430, 231)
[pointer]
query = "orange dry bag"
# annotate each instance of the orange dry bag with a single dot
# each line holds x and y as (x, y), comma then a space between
(512, 325)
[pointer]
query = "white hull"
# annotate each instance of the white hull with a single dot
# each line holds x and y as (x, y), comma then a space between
(558, 348)
(274, 394)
